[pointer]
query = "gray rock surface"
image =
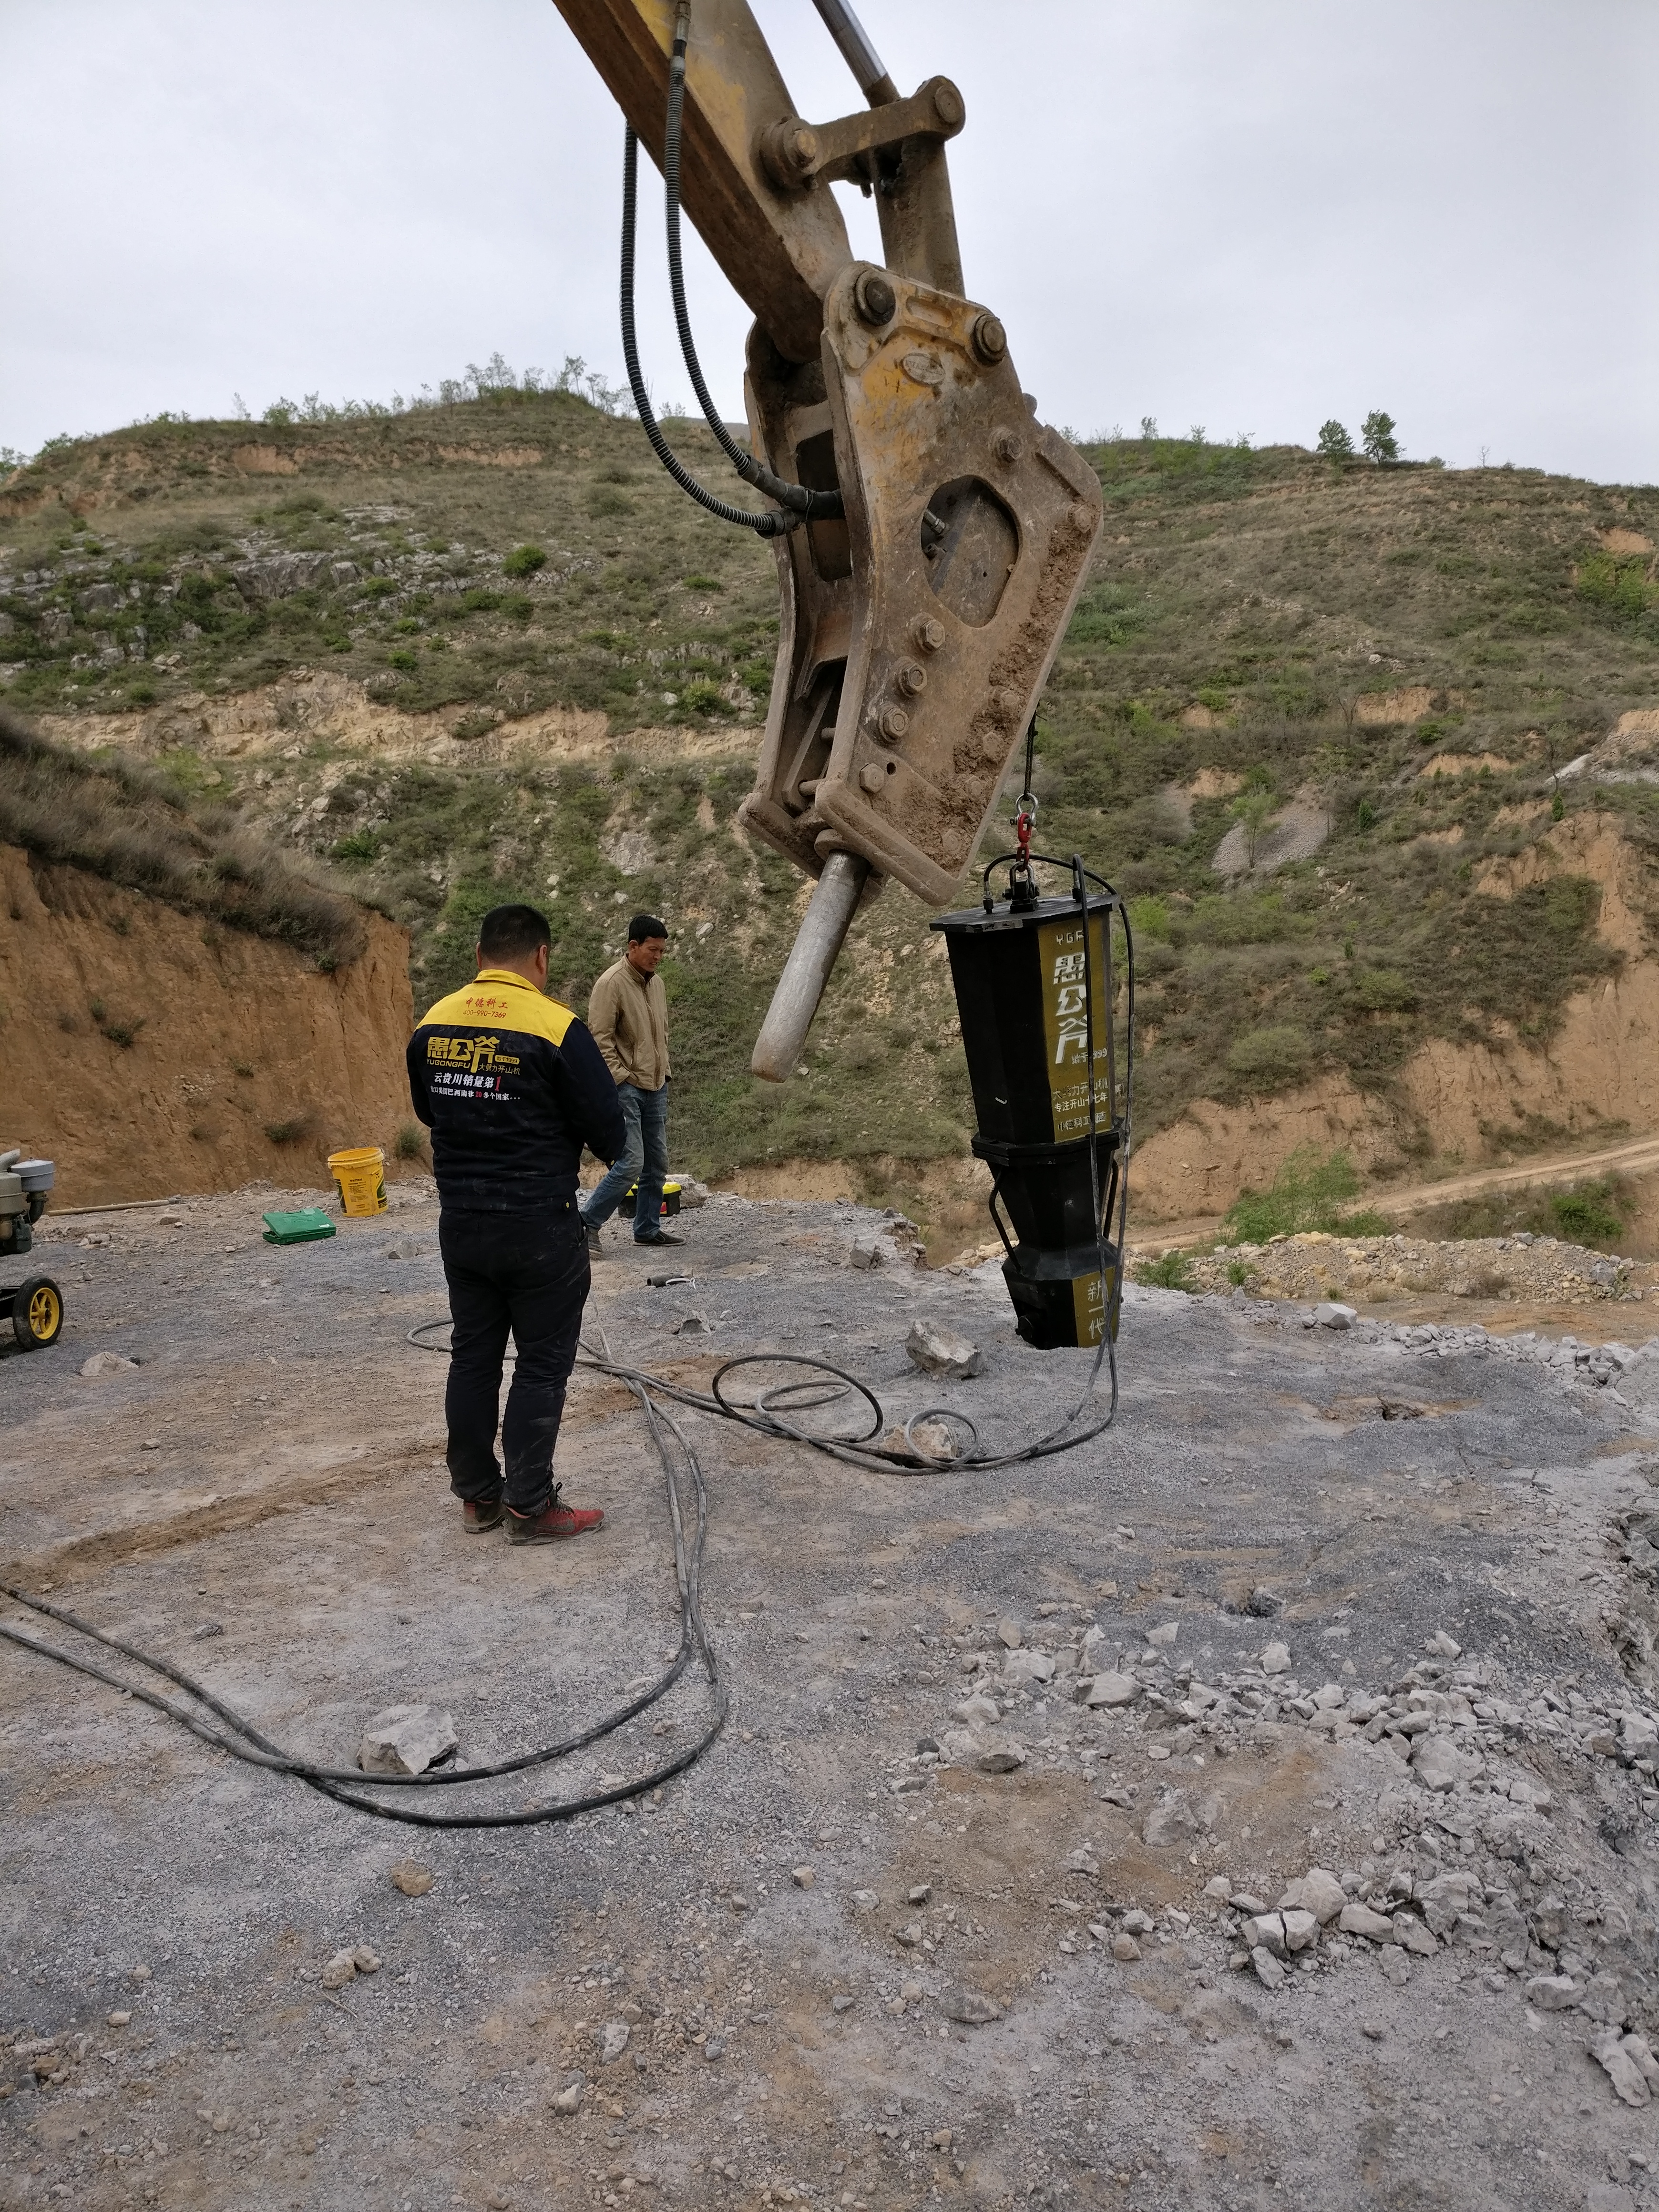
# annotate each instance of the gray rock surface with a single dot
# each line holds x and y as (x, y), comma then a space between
(851, 1610)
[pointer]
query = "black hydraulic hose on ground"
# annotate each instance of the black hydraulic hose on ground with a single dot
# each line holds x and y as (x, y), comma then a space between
(240, 1739)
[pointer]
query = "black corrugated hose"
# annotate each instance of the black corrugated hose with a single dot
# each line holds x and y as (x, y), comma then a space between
(239, 1737)
(770, 522)
(797, 504)
(803, 503)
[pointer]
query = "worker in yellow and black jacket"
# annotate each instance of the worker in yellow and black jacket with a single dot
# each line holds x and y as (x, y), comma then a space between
(511, 1086)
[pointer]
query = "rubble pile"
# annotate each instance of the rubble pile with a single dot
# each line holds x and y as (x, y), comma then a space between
(1467, 1861)
(1520, 1270)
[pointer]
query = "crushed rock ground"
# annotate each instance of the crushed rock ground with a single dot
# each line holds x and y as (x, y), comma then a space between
(1253, 1806)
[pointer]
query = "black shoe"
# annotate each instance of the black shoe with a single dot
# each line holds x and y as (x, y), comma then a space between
(661, 1236)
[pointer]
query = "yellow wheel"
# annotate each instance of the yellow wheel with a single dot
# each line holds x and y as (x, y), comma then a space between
(37, 1312)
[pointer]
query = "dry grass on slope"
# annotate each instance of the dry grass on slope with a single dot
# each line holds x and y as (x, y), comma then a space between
(122, 824)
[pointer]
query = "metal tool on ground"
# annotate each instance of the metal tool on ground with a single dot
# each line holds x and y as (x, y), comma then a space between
(36, 1304)
(932, 536)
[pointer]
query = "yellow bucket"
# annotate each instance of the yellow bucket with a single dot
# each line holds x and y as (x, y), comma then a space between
(359, 1173)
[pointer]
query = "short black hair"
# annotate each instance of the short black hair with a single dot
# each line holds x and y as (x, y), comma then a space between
(644, 925)
(507, 932)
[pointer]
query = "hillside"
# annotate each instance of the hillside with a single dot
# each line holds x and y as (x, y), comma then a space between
(1326, 726)
(180, 1007)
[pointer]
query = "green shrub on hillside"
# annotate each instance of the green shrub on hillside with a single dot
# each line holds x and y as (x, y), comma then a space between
(1172, 1271)
(1596, 1212)
(1273, 1053)
(1620, 584)
(1308, 1193)
(1589, 1213)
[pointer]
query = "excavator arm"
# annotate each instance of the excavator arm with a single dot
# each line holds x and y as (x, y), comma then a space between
(918, 626)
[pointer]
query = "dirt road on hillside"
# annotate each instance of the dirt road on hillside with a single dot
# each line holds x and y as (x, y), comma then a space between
(1638, 1156)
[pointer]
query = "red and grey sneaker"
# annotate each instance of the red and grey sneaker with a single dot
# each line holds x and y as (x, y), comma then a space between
(558, 1522)
(479, 1514)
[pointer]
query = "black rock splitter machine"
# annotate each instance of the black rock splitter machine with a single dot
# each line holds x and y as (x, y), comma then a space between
(1045, 990)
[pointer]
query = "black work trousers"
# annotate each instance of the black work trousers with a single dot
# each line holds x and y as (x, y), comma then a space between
(527, 1272)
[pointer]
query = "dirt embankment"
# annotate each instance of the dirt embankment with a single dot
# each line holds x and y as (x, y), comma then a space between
(1597, 1078)
(148, 1053)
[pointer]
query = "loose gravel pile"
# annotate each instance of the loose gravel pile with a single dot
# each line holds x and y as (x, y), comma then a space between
(1522, 1270)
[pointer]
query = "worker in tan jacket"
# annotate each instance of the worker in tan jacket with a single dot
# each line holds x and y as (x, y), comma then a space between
(628, 1014)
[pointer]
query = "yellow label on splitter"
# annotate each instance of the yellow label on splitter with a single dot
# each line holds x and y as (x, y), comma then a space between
(1090, 1297)
(1066, 1023)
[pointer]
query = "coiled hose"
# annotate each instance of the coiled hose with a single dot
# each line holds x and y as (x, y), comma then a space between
(222, 1726)
(226, 1729)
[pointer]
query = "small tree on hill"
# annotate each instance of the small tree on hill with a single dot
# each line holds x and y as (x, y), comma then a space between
(1252, 811)
(1334, 443)
(1378, 431)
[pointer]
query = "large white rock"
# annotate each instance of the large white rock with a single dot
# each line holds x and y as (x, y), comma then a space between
(1438, 1765)
(1265, 1932)
(1112, 1689)
(1553, 1992)
(977, 1711)
(1319, 1891)
(1301, 1930)
(1630, 2066)
(107, 1362)
(971, 2007)
(1269, 1971)
(939, 1351)
(406, 1739)
(988, 1749)
(1360, 1920)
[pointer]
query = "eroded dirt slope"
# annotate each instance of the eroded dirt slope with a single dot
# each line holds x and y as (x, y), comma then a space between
(148, 1052)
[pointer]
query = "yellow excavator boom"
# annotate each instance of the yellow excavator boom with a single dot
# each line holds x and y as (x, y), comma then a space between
(918, 625)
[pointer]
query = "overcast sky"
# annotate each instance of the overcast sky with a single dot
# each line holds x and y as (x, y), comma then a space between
(1246, 214)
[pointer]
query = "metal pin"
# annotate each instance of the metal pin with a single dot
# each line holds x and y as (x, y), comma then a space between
(822, 933)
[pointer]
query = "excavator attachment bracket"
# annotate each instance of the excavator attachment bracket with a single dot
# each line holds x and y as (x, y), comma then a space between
(917, 632)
